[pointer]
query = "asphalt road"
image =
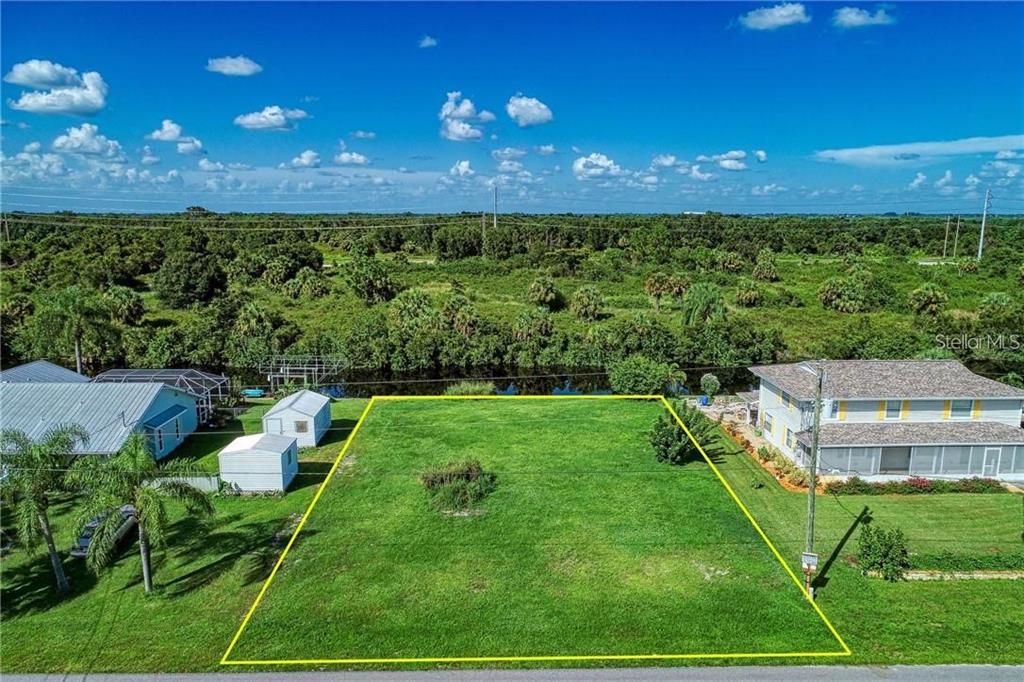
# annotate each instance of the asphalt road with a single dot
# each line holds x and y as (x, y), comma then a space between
(938, 673)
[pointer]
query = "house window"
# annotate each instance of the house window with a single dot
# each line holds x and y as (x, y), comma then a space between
(177, 429)
(288, 458)
(833, 409)
(790, 439)
(769, 423)
(159, 440)
(302, 427)
(960, 409)
(893, 409)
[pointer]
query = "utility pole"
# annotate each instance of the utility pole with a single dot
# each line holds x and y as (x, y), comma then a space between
(495, 207)
(984, 215)
(956, 236)
(946, 240)
(483, 232)
(809, 560)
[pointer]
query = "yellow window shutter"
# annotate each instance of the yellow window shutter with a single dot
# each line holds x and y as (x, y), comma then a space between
(976, 409)
(842, 410)
(947, 408)
(881, 410)
(905, 410)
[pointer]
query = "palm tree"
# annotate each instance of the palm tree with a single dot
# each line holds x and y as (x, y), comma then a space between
(71, 317)
(703, 302)
(34, 470)
(657, 285)
(132, 477)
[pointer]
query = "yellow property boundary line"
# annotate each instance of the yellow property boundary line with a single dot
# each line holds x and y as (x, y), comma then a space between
(498, 659)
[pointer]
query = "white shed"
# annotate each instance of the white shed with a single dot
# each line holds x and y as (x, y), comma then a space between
(305, 415)
(261, 462)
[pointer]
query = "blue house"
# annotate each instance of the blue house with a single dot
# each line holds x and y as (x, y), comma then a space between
(109, 413)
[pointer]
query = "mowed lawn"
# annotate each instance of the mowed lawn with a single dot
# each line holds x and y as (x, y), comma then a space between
(961, 621)
(588, 546)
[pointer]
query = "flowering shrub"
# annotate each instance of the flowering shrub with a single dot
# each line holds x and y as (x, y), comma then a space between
(913, 485)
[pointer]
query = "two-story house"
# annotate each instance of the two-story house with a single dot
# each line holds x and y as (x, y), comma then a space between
(884, 419)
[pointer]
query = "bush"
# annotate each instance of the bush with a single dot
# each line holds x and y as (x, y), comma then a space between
(928, 299)
(883, 551)
(951, 561)
(638, 375)
(458, 486)
(914, 485)
(671, 443)
(469, 387)
(748, 294)
(967, 267)
(586, 304)
(710, 385)
(543, 292)
(370, 280)
(765, 269)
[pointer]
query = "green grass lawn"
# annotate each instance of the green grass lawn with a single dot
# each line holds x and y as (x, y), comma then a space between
(578, 546)
(966, 621)
(588, 546)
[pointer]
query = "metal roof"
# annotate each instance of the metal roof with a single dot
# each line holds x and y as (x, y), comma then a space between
(881, 379)
(915, 433)
(193, 381)
(271, 443)
(41, 372)
(305, 402)
(109, 413)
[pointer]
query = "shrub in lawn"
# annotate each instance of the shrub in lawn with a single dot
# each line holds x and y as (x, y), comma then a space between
(586, 304)
(951, 561)
(765, 269)
(671, 443)
(638, 375)
(471, 388)
(458, 486)
(884, 551)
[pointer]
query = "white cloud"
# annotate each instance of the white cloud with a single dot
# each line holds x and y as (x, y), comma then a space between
(761, 155)
(344, 158)
(767, 190)
(207, 166)
(917, 152)
(972, 181)
(57, 89)
(148, 157)
(428, 41)
(509, 166)
(1008, 154)
(855, 17)
(771, 18)
(32, 147)
(508, 153)
(696, 174)
(307, 159)
(86, 139)
(169, 131)
(239, 166)
(233, 66)
(190, 145)
(1005, 168)
(918, 181)
(364, 135)
(528, 111)
(595, 166)
(29, 164)
(271, 118)
(462, 169)
(487, 117)
(42, 74)
(857, 188)
(546, 149)
(664, 161)
(945, 180)
(454, 115)
(730, 161)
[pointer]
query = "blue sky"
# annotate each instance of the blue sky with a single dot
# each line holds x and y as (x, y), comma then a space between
(785, 107)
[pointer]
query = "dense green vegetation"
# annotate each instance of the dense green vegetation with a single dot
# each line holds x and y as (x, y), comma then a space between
(426, 294)
(211, 569)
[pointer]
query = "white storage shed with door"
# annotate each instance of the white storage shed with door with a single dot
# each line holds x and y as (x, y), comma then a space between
(261, 462)
(305, 416)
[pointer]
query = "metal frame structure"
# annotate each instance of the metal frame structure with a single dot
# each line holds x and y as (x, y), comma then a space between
(203, 386)
(312, 370)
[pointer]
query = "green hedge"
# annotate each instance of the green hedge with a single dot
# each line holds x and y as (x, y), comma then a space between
(913, 486)
(951, 561)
